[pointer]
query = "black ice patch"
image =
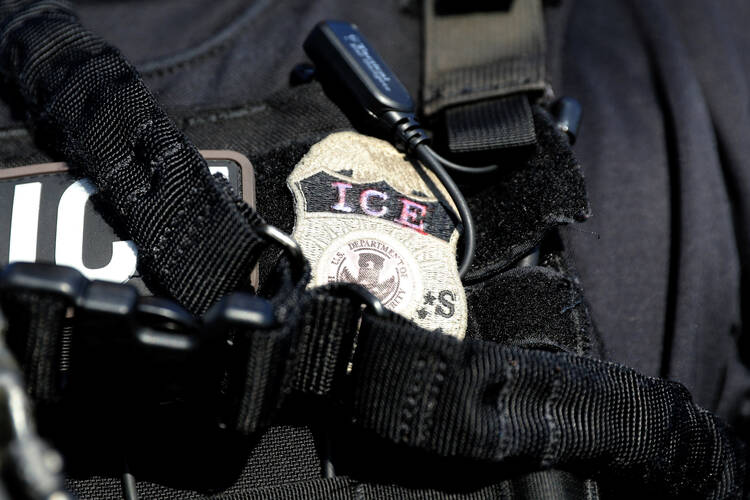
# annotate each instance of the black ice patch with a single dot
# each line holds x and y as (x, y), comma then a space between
(326, 193)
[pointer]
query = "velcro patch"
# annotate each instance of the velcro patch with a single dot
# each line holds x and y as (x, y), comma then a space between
(366, 215)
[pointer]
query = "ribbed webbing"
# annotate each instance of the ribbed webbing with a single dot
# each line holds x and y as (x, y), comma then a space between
(489, 402)
(526, 409)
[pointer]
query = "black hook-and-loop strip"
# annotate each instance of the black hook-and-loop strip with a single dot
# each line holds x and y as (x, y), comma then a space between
(89, 105)
(465, 399)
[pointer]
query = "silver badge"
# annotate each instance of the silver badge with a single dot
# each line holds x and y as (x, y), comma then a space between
(366, 215)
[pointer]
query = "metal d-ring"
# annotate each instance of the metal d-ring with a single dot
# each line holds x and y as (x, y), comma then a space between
(365, 297)
(273, 234)
(292, 249)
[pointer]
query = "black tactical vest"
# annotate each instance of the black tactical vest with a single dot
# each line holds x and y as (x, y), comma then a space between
(602, 349)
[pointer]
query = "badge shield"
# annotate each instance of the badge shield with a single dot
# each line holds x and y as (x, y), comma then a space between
(366, 215)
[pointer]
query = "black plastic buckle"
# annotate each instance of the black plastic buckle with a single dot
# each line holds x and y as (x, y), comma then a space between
(242, 324)
(174, 351)
(64, 282)
(147, 348)
(240, 310)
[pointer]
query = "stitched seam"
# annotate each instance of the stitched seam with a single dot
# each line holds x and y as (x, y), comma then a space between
(551, 450)
(504, 424)
(224, 115)
(409, 408)
(431, 393)
(204, 50)
(187, 63)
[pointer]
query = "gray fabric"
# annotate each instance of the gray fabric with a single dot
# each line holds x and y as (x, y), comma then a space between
(475, 54)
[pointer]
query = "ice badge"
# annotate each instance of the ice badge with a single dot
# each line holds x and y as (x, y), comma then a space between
(366, 215)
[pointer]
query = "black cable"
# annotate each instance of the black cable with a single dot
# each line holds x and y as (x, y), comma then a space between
(430, 160)
(486, 169)
(344, 58)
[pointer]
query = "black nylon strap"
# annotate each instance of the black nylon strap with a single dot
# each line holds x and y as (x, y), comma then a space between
(260, 361)
(261, 371)
(526, 408)
(324, 345)
(494, 55)
(553, 485)
(195, 239)
(36, 299)
(487, 125)
(470, 399)
(37, 332)
(308, 353)
(483, 401)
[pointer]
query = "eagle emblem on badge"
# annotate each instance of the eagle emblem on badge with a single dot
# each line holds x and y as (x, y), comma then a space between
(366, 215)
(368, 275)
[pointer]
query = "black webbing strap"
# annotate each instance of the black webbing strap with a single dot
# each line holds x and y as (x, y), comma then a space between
(36, 304)
(525, 408)
(306, 354)
(259, 360)
(483, 401)
(307, 351)
(195, 239)
(470, 399)
(480, 64)
(324, 343)
(499, 123)
(255, 378)
(38, 333)
(553, 485)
